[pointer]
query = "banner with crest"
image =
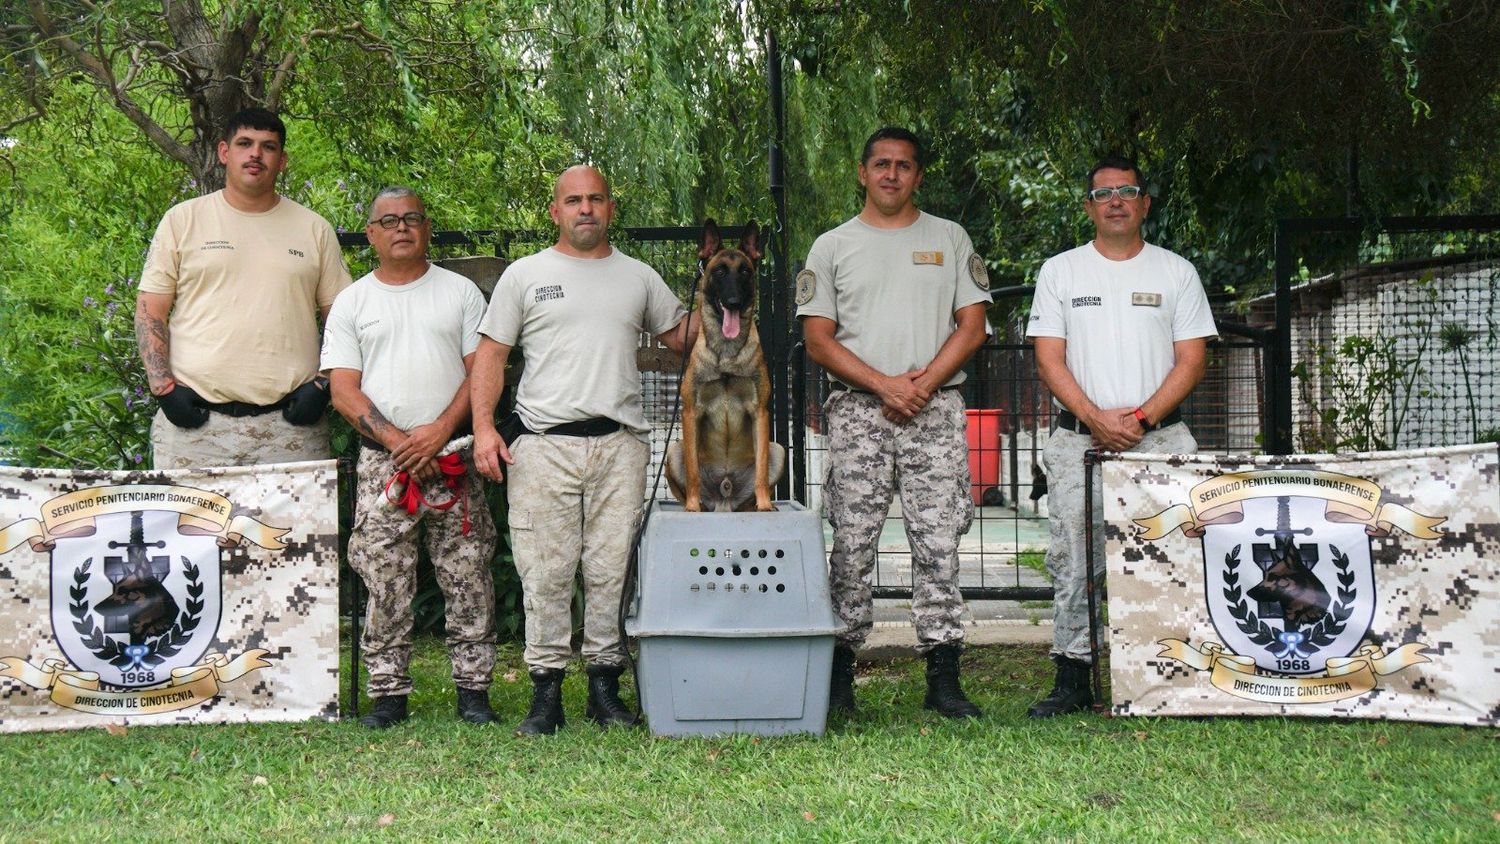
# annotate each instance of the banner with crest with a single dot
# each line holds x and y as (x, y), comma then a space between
(168, 597)
(1360, 586)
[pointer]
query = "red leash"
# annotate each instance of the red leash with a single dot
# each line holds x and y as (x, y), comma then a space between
(411, 499)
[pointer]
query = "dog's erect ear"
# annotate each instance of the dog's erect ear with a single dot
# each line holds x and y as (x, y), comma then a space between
(710, 241)
(750, 241)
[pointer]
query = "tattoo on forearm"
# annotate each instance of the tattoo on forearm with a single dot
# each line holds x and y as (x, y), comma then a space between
(151, 337)
(370, 424)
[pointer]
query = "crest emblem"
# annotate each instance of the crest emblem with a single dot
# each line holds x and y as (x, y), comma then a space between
(1289, 582)
(1289, 596)
(136, 598)
(807, 285)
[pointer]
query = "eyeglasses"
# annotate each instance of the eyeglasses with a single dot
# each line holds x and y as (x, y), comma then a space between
(1126, 192)
(412, 219)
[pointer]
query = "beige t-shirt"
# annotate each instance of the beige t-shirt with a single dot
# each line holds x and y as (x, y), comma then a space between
(893, 292)
(247, 290)
(579, 322)
(407, 341)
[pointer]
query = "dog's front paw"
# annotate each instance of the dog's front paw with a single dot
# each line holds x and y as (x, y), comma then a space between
(694, 504)
(765, 506)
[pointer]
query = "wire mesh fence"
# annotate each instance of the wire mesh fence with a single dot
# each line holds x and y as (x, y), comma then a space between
(1010, 417)
(1393, 331)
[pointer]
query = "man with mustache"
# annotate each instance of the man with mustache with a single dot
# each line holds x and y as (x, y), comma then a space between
(1120, 330)
(227, 317)
(576, 448)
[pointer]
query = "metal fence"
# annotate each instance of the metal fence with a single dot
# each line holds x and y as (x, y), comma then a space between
(1010, 417)
(1391, 336)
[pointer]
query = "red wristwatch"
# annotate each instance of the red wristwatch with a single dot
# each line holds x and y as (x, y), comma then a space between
(1140, 416)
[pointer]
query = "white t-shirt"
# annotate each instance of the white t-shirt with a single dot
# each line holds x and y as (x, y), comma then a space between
(1120, 318)
(247, 290)
(893, 292)
(408, 341)
(579, 322)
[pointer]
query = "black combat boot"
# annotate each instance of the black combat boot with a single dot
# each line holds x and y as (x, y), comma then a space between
(474, 706)
(387, 712)
(841, 684)
(1070, 692)
(546, 713)
(605, 706)
(944, 695)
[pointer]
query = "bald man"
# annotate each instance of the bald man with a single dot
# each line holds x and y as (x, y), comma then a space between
(574, 452)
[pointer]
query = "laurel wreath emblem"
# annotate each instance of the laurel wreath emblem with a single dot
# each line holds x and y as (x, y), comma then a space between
(158, 648)
(1319, 636)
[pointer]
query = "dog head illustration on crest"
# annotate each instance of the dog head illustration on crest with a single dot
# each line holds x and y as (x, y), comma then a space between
(1291, 597)
(135, 597)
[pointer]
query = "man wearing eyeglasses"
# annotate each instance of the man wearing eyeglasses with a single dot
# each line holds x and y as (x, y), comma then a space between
(398, 351)
(1120, 329)
(574, 453)
(227, 315)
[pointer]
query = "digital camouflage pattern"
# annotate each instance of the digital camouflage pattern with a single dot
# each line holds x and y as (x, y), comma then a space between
(236, 441)
(1352, 586)
(1067, 549)
(130, 571)
(383, 551)
(928, 458)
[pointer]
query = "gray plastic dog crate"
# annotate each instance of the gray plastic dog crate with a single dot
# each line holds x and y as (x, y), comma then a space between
(735, 622)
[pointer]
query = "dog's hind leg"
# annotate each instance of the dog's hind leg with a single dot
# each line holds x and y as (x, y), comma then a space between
(763, 445)
(673, 469)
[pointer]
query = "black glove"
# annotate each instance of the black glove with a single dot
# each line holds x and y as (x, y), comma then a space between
(305, 405)
(183, 407)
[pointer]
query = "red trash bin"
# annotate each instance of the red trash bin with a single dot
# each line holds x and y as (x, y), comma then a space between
(984, 450)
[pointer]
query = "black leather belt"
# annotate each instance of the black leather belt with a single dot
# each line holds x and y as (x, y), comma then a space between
(240, 408)
(511, 427)
(1065, 419)
(841, 387)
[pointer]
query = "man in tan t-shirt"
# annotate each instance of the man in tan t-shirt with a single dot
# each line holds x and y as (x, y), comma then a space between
(577, 446)
(227, 317)
(892, 305)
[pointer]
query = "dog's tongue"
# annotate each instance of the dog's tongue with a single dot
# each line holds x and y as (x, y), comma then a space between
(731, 324)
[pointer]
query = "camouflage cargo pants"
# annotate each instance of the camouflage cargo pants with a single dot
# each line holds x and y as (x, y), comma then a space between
(236, 441)
(1066, 555)
(926, 461)
(574, 503)
(383, 551)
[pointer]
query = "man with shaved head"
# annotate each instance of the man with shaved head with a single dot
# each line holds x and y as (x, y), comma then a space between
(574, 453)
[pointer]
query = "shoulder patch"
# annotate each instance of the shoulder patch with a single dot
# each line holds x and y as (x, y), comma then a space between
(807, 284)
(979, 272)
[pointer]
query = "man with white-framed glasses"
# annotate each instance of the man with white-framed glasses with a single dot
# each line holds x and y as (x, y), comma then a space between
(398, 351)
(1120, 329)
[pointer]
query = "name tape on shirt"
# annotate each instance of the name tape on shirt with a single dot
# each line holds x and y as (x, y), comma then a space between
(933, 258)
(1150, 300)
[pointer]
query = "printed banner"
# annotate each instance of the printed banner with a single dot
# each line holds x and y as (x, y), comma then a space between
(168, 597)
(1365, 586)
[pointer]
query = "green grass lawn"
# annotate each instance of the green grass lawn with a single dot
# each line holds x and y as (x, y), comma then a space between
(894, 772)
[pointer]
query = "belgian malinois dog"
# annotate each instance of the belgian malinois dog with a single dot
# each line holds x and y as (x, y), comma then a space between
(726, 457)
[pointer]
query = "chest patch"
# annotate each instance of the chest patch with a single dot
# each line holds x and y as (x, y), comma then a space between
(807, 284)
(1150, 300)
(1088, 301)
(979, 272)
(933, 258)
(547, 292)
